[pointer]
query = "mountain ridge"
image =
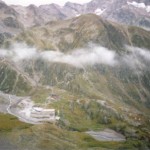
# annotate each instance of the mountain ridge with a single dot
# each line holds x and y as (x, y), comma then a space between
(126, 12)
(77, 32)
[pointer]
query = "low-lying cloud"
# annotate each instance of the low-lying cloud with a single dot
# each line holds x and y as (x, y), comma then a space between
(80, 57)
(18, 52)
(137, 58)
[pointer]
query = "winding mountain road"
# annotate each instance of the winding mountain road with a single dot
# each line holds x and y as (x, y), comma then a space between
(21, 118)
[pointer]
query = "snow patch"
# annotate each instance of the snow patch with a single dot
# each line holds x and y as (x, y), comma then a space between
(148, 9)
(77, 15)
(140, 5)
(98, 11)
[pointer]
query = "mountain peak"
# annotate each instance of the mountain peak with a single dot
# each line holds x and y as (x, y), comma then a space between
(73, 5)
(32, 6)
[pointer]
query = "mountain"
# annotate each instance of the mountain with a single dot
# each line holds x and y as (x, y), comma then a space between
(33, 15)
(8, 18)
(98, 72)
(67, 35)
(79, 61)
(127, 12)
(134, 13)
(9, 24)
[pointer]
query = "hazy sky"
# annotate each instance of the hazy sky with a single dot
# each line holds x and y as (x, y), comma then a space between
(40, 2)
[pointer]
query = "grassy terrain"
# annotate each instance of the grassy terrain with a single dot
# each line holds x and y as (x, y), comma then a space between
(11, 81)
(80, 110)
(80, 114)
(9, 123)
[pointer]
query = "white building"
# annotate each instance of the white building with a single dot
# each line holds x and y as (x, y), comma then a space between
(36, 114)
(43, 114)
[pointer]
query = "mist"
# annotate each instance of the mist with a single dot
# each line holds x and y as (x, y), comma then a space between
(137, 58)
(77, 58)
(80, 57)
(18, 52)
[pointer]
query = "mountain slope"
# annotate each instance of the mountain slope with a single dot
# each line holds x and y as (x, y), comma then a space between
(13, 80)
(127, 12)
(77, 32)
(9, 24)
(8, 19)
(14, 18)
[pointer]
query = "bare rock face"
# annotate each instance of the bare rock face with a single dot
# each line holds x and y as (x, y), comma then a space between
(14, 18)
(130, 12)
(51, 12)
(33, 15)
(9, 23)
(123, 11)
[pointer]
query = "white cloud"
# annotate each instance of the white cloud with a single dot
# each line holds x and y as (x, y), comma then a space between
(18, 52)
(78, 58)
(41, 2)
(82, 57)
(135, 58)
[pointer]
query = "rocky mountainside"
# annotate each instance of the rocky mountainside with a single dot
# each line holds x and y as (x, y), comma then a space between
(67, 35)
(14, 18)
(124, 11)
(8, 19)
(9, 23)
(33, 15)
